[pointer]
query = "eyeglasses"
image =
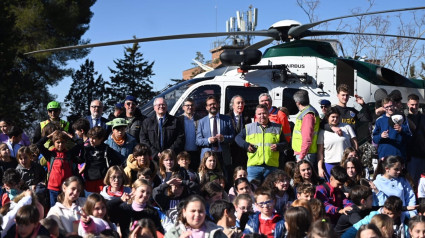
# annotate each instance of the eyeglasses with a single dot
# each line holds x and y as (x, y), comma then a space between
(161, 105)
(267, 204)
(323, 106)
(95, 106)
(53, 110)
(188, 105)
(389, 107)
(115, 178)
(212, 104)
(130, 103)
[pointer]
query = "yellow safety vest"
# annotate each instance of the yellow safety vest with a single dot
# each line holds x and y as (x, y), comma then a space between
(263, 138)
(64, 124)
(297, 139)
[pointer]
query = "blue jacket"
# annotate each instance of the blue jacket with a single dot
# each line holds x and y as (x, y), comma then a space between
(253, 225)
(203, 132)
(398, 187)
(352, 231)
(125, 150)
(396, 143)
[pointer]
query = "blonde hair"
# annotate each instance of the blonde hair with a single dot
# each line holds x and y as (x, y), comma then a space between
(384, 224)
(168, 153)
(115, 169)
(24, 150)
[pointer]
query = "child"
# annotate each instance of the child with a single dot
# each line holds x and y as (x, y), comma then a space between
(146, 174)
(242, 186)
(211, 192)
(144, 228)
(317, 209)
(354, 171)
(66, 212)
(305, 191)
(183, 159)
(52, 226)
(168, 166)
(384, 224)
(393, 208)
(278, 182)
(304, 173)
(94, 218)
(239, 172)
(389, 183)
(332, 196)
(417, 227)
(290, 170)
(169, 194)
(15, 136)
(266, 221)
(140, 208)
(5, 125)
(12, 183)
(35, 153)
(27, 224)
(6, 161)
(369, 231)
(223, 213)
(321, 228)
(98, 157)
(140, 159)
(119, 140)
(114, 183)
(31, 172)
(297, 222)
(61, 163)
(362, 198)
(209, 163)
(81, 127)
(243, 205)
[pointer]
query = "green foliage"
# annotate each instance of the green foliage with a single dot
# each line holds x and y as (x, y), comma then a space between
(28, 25)
(84, 89)
(131, 77)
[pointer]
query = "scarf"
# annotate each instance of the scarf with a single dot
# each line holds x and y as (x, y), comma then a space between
(115, 194)
(119, 142)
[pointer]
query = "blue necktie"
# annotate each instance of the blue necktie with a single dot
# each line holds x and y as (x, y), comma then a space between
(161, 141)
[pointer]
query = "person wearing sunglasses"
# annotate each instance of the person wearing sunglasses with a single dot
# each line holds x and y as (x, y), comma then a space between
(134, 117)
(53, 111)
(324, 106)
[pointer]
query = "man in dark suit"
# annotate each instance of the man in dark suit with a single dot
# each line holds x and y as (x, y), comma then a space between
(239, 120)
(189, 119)
(162, 131)
(215, 133)
(95, 118)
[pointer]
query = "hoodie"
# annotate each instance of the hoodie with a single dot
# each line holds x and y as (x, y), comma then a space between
(67, 217)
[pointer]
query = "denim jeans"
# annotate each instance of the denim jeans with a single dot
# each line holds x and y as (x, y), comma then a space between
(53, 197)
(259, 172)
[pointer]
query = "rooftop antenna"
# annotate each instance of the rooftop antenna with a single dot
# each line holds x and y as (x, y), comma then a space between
(244, 21)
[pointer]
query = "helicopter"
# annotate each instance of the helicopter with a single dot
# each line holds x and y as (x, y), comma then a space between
(282, 70)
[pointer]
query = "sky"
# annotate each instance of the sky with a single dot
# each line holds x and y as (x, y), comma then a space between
(120, 20)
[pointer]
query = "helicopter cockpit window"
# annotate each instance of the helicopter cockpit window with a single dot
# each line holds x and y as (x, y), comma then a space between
(199, 96)
(249, 94)
(288, 100)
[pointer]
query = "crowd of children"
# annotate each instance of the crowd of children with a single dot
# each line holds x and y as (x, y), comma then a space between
(96, 185)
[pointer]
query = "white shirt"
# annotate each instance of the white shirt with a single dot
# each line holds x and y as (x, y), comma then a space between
(212, 123)
(333, 144)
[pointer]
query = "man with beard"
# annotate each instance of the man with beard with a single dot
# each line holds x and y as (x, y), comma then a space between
(95, 118)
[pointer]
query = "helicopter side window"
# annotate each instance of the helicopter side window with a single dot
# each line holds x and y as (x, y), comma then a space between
(249, 94)
(199, 96)
(288, 100)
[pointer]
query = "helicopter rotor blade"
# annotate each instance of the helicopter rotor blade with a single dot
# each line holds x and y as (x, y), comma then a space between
(271, 33)
(260, 44)
(324, 33)
(297, 31)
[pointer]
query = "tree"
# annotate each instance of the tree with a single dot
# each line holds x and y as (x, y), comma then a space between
(84, 89)
(27, 25)
(131, 77)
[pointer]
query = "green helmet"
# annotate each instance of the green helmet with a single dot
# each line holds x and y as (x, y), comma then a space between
(53, 105)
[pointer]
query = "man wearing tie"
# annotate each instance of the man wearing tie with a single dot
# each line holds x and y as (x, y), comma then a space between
(214, 133)
(162, 131)
(239, 120)
(95, 118)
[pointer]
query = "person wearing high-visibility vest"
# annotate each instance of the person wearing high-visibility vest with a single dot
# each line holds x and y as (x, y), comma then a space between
(306, 129)
(263, 140)
(276, 115)
(54, 111)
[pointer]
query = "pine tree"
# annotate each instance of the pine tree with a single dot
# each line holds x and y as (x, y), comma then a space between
(131, 77)
(84, 89)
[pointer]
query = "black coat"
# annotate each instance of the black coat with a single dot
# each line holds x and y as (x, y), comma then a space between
(239, 155)
(172, 130)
